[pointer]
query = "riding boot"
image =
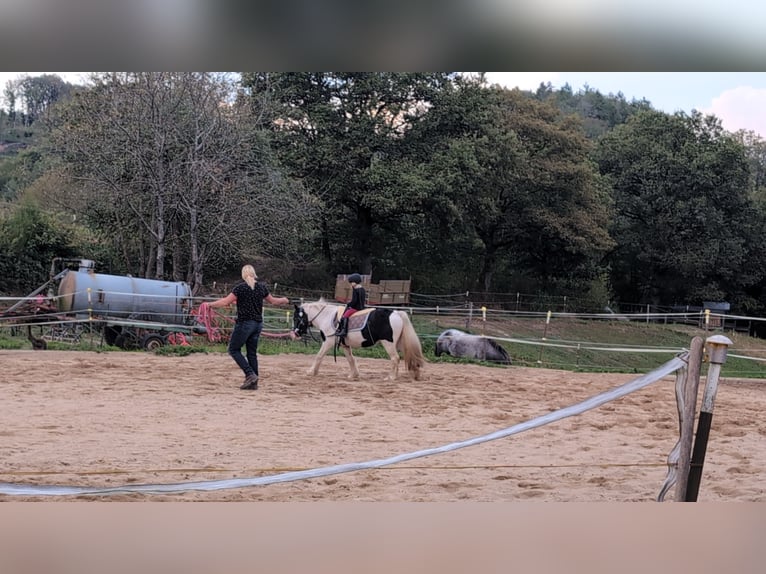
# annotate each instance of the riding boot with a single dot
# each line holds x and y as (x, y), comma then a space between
(342, 329)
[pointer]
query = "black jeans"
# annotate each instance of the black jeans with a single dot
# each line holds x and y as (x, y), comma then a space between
(246, 333)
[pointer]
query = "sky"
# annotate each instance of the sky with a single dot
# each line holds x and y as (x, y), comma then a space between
(737, 98)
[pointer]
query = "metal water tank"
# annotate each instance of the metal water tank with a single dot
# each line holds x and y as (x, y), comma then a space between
(121, 296)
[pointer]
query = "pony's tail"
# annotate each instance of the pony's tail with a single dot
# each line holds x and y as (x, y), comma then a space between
(409, 344)
(503, 355)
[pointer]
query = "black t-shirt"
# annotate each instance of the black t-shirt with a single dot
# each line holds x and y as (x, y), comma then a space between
(250, 301)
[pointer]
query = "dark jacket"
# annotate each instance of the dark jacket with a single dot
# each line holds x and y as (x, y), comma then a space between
(358, 298)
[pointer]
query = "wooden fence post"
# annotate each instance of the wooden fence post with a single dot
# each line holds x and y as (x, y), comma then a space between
(545, 334)
(686, 412)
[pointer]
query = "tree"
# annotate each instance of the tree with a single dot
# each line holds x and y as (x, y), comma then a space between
(18, 170)
(600, 113)
(181, 175)
(40, 93)
(685, 225)
(516, 178)
(29, 239)
(755, 150)
(11, 96)
(342, 134)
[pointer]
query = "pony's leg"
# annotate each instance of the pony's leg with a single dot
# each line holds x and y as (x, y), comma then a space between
(326, 346)
(351, 362)
(394, 356)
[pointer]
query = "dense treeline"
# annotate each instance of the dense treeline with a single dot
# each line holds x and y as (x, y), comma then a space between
(437, 177)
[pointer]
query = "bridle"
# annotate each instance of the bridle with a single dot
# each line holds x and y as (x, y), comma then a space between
(304, 324)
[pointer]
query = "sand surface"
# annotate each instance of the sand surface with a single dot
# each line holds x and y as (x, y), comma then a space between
(110, 419)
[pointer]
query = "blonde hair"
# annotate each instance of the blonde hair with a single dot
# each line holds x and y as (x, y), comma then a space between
(248, 274)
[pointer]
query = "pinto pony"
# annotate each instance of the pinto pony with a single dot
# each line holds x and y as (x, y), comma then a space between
(459, 344)
(390, 328)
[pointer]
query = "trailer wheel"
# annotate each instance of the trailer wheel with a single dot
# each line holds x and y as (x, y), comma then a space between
(152, 342)
(127, 340)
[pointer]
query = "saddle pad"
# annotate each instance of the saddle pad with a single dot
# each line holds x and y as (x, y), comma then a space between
(358, 320)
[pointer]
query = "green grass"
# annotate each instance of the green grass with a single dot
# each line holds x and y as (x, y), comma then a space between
(568, 332)
(571, 332)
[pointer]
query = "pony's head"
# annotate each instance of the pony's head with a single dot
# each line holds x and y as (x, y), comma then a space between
(301, 318)
(444, 342)
(300, 321)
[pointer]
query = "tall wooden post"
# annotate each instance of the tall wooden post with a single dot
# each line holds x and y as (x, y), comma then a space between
(717, 346)
(687, 382)
(686, 412)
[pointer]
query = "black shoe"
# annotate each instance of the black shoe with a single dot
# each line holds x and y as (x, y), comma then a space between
(250, 384)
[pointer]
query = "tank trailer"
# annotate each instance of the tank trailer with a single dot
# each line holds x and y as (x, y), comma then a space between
(134, 313)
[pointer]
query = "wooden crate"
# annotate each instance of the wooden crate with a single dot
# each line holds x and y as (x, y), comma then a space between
(343, 287)
(386, 292)
(373, 294)
(342, 292)
(397, 286)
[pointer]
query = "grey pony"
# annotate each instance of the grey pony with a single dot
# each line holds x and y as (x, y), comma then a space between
(456, 343)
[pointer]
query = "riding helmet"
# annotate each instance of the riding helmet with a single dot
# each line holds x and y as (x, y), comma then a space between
(355, 278)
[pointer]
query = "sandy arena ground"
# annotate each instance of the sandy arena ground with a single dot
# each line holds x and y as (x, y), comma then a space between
(111, 419)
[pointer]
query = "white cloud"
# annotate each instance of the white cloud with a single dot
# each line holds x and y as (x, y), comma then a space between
(741, 108)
